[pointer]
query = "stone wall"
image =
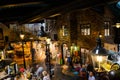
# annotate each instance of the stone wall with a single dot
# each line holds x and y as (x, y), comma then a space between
(63, 21)
(96, 26)
(73, 21)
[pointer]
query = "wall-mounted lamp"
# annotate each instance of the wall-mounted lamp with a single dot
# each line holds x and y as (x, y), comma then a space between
(117, 25)
(100, 35)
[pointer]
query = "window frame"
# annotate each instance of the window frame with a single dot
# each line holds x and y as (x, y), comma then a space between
(106, 28)
(85, 29)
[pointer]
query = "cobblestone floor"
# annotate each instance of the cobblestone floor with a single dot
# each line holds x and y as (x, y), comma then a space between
(60, 76)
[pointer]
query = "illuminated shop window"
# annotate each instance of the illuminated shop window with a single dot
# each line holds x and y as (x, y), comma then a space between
(106, 28)
(85, 29)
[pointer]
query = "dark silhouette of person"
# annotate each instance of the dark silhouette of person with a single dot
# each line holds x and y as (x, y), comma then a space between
(90, 67)
(33, 54)
(42, 32)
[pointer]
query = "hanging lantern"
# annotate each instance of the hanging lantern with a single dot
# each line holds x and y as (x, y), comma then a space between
(99, 56)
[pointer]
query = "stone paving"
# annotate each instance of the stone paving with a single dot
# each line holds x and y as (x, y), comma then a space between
(60, 76)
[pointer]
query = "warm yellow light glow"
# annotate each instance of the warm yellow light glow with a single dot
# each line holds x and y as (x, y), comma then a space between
(99, 58)
(100, 36)
(75, 48)
(65, 67)
(22, 36)
(2, 56)
(117, 25)
(48, 40)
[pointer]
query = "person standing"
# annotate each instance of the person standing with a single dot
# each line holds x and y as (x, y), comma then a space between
(91, 76)
(39, 70)
(83, 72)
(68, 57)
(33, 54)
(46, 75)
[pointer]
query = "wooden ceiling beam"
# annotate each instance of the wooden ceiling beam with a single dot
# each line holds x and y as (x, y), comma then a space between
(20, 5)
(78, 4)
